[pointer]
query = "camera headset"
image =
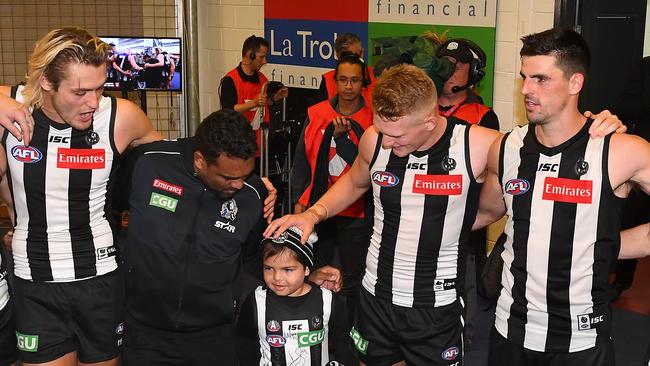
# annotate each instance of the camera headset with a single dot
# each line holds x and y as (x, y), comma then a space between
(350, 57)
(476, 64)
(254, 43)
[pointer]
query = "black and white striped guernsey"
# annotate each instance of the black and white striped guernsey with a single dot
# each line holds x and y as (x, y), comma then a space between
(562, 238)
(425, 205)
(60, 186)
(4, 288)
(293, 335)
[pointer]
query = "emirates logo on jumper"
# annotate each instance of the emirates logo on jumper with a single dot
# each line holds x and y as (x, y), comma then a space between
(567, 190)
(438, 185)
(80, 158)
(161, 184)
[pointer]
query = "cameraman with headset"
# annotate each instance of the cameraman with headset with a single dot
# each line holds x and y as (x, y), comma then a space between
(457, 98)
(244, 87)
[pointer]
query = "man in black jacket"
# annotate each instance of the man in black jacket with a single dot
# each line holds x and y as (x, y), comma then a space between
(194, 206)
(633, 107)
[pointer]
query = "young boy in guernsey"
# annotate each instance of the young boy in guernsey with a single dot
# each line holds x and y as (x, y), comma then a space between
(289, 320)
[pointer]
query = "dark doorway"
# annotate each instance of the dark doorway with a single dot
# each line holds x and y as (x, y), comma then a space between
(614, 31)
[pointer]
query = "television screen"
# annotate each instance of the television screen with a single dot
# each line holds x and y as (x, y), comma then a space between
(144, 63)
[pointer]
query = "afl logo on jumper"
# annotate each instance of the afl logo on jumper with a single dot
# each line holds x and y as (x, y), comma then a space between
(275, 340)
(517, 186)
(26, 154)
(385, 179)
(80, 158)
(450, 353)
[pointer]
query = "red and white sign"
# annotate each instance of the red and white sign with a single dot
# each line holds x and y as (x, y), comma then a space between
(80, 158)
(567, 190)
(159, 183)
(438, 185)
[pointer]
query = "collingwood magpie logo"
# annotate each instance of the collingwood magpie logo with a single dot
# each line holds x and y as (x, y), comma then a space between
(448, 164)
(229, 210)
(582, 167)
(280, 239)
(92, 138)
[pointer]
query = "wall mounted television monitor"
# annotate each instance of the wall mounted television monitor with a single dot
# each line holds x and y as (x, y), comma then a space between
(144, 63)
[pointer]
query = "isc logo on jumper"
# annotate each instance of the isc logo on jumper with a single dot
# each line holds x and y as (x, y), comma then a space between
(275, 340)
(547, 167)
(589, 321)
(162, 201)
(103, 253)
(517, 186)
(59, 139)
(80, 158)
(385, 179)
(26, 154)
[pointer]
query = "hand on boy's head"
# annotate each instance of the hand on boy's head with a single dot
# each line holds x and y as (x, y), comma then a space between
(327, 277)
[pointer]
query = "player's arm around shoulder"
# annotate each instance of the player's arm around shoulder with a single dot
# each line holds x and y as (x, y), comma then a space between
(635, 242)
(491, 204)
(629, 163)
(344, 192)
(480, 141)
(361, 166)
(132, 126)
(12, 112)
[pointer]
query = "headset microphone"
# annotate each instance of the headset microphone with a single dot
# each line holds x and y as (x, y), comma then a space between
(456, 88)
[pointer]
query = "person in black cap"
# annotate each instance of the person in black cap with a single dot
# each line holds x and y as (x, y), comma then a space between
(457, 97)
(289, 320)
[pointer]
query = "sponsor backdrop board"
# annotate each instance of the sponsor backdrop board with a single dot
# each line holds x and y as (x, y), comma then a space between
(301, 33)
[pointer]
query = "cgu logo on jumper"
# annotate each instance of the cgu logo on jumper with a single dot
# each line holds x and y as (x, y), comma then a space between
(308, 339)
(385, 179)
(27, 343)
(26, 154)
(162, 201)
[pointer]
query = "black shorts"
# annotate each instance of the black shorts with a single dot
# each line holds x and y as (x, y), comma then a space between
(385, 333)
(54, 319)
(144, 346)
(8, 350)
(505, 352)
